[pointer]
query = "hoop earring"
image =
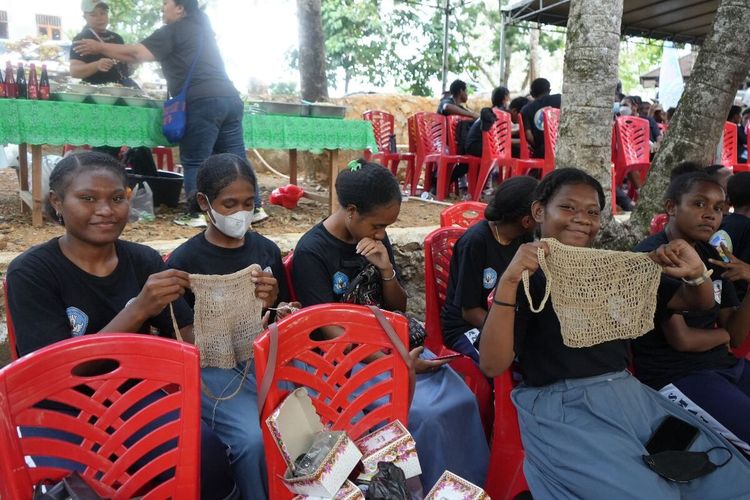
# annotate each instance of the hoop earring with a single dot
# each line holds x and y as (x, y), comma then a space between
(60, 218)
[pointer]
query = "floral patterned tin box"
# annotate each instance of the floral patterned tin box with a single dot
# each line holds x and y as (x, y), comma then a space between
(453, 487)
(390, 443)
(293, 425)
(347, 492)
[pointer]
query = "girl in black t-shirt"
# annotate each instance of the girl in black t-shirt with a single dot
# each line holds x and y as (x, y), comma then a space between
(332, 258)
(89, 281)
(479, 257)
(226, 193)
(686, 356)
(583, 418)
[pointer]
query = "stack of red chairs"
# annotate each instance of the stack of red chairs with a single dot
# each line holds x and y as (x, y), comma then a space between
(524, 165)
(438, 153)
(729, 149)
(630, 150)
(383, 128)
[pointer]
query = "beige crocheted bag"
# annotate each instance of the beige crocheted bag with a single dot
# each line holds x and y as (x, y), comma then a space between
(598, 295)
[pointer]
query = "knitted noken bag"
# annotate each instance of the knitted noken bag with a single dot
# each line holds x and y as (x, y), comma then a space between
(227, 317)
(598, 295)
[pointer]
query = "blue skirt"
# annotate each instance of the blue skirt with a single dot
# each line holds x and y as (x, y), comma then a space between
(584, 438)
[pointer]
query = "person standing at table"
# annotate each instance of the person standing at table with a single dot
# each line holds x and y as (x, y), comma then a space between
(214, 118)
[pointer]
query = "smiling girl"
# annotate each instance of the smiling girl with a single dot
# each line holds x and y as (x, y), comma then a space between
(583, 418)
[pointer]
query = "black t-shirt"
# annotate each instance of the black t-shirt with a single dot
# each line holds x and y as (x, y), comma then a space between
(657, 363)
(478, 261)
(199, 256)
(474, 135)
(117, 74)
(538, 344)
(532, 120)
(323, 266)
(738, 228)
(175, 46)
(52, 299)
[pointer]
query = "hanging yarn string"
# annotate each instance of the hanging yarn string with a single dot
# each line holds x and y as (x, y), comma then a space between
(598, 295)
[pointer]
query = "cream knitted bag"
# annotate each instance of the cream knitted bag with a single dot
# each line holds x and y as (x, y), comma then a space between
(598, 295)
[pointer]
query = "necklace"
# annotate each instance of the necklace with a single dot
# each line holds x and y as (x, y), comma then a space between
(495, 232)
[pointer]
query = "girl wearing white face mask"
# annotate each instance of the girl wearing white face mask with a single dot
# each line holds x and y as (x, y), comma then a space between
(226, 195)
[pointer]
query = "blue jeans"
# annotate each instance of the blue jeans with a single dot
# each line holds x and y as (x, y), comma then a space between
(237, 423)
(214, 125)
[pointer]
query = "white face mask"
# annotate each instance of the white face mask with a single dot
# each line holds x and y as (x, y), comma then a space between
(235, 225)
(625, 110)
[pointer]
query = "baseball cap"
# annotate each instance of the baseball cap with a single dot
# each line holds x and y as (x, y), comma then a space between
(90, 5)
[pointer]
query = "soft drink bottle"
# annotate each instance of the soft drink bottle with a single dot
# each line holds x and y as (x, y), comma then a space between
(10, 84)
(33, 87)
(44, 84)
(22, 88)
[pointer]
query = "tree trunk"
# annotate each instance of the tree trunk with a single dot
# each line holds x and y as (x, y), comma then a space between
(533, 53)
(506, 68)
(312, 52)
(589, 81)
(694, 131)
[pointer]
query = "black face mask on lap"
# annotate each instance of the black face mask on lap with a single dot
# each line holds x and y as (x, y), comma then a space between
(684, 466)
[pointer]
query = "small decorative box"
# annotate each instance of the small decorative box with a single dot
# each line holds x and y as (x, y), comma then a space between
(391, 443)
(453, 487)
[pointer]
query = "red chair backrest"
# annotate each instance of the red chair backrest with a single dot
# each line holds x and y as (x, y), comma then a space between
(658, 222)
(89, 374)
(432, 134)
(452, 132)
(382, 127)
(288, 262)
(631, 136)
(413, 131)
(164, 158)
(335, 388)
(464, 214)
(438, 250)
(9, 325)
(729, 145)
(525, 152)
(551, 125)
(496, 142)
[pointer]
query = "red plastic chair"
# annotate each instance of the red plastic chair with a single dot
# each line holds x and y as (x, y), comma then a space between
(9, 325)
(729, 149)
(164, 158)
(505, 477)
(383, 127)
(72, 147)
(464, 214)
(630, 152)
(413, 132)
(288, 262)
(438, 250)
(89, 374)
(658, 222)
(438, 153)
(525, 149)
(496, 151)
(329, 376)
(523, 166)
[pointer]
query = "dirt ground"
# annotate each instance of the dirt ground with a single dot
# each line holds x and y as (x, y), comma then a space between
(17, 233)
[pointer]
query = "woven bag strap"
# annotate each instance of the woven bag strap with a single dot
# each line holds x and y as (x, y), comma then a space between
(547, 286)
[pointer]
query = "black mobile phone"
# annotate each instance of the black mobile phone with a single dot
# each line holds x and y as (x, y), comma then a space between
(672, 434)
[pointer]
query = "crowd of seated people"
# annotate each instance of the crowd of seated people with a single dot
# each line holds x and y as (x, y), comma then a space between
(584, 418)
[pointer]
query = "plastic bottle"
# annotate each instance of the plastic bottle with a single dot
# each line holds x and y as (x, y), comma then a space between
(44, 84)
(10, 84)
(21, 86)
(33, 87)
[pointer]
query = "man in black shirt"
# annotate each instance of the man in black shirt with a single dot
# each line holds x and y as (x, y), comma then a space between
(453, 104)
(532, 116)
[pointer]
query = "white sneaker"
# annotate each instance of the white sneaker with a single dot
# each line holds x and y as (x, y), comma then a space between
(191, 220)
(259, 215)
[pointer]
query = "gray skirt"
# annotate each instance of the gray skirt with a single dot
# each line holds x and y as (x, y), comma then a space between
(584, 439)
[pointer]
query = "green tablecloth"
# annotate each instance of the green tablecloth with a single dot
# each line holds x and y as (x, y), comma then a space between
(52, 122)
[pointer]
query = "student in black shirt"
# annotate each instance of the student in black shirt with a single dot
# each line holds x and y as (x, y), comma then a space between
(351, 246)
(532, 116)
(453, 104)
(214, 119)
(583, 418)
(89, 281)
(225, 193)
(737, 224)
(500, 100)
(479, 257)
(686, 356)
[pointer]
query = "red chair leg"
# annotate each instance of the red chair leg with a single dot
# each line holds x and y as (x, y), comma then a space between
(443, 179)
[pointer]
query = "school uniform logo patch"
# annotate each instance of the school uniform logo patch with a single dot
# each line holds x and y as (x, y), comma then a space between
(489, 278)
(340, 283)
(78, 321)
(539, 119)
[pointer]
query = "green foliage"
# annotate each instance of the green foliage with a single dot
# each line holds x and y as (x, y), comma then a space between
(637, 56)
(283, 88)
(134, 20)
